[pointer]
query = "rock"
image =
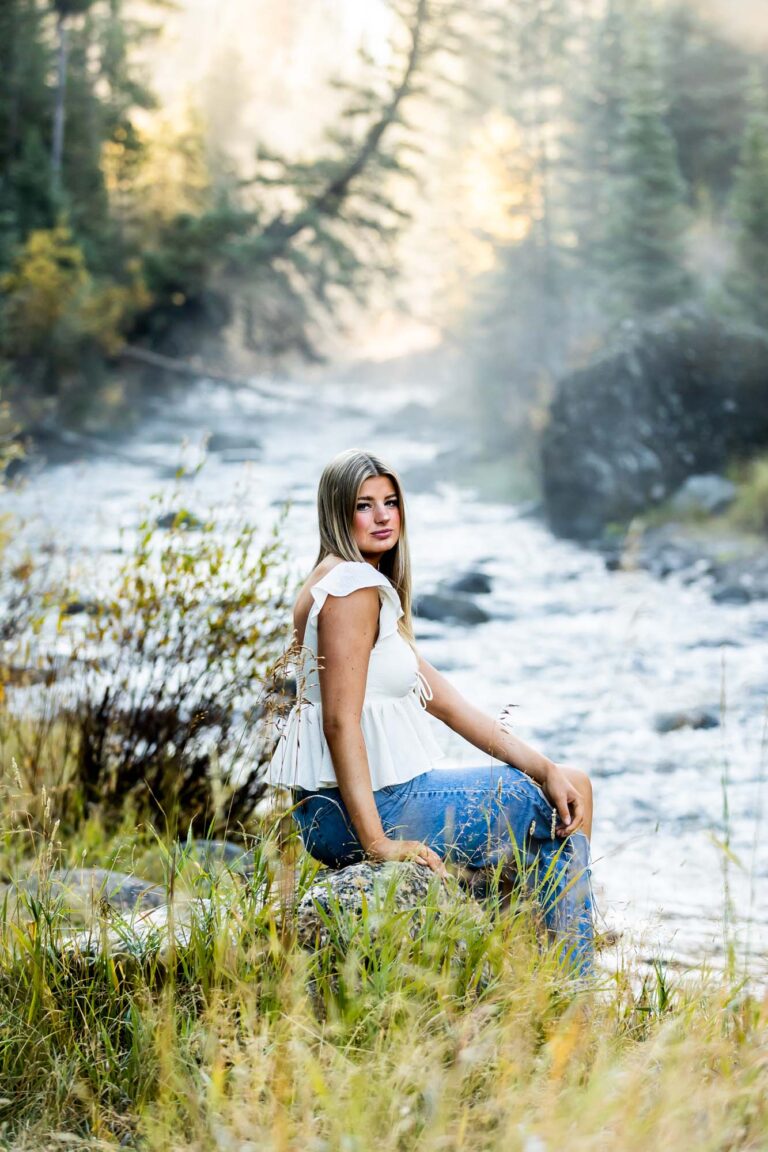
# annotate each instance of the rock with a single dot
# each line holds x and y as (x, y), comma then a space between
(677, 397)
(667, 549)
(234, 442)
(146, 936)
(686, 718)
(473, 583)
(741, 579)
(83, 891)
(77, 607)
(449, 608)
(180, 519)
(214, 854)
(339, 900)
(731, 593)
(707, 493)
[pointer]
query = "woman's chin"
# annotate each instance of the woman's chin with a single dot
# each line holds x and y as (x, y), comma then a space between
(375, 549)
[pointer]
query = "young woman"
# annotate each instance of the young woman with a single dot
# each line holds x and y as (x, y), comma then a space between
(357, 750)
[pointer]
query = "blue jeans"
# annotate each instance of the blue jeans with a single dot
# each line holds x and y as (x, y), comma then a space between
(481, 818)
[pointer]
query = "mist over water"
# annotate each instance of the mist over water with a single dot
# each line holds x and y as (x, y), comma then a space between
(588, 657)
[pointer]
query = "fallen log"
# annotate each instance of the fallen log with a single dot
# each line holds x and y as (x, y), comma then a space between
(192, 371)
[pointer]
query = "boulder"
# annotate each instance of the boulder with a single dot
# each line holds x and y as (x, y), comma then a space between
(120, 914)
(677, 397)
(214, 855)
(338, 901)
(85, 891)
(453, 608)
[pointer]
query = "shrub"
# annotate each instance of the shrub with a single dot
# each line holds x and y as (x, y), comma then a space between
(55, 310)
(153, 700)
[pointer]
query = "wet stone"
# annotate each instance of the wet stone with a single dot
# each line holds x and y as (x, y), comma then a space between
(686, 718)
(473, 583)
(180, 519)
(449, 608)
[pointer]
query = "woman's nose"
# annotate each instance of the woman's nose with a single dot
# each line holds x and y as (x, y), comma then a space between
(382, 513)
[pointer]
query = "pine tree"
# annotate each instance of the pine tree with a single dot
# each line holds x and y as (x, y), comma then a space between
(750, 209)
(537, 39)
(703, 72)
(25, 123)
(644, 242)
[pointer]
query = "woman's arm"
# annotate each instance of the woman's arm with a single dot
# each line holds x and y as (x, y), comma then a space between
(345, 636)
(447, 704)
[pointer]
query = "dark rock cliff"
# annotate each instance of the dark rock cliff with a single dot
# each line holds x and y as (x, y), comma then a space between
(684, 394)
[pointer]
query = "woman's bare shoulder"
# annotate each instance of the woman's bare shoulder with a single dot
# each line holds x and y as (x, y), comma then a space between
(303, 604)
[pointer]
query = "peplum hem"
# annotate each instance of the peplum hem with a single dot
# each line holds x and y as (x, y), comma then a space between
(398, 741)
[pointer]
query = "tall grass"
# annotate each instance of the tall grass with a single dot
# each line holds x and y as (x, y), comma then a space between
(458, 1032)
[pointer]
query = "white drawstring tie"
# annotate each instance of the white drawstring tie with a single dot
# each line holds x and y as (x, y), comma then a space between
(422, 687)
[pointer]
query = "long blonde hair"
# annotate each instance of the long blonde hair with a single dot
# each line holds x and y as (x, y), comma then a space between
(337, 496)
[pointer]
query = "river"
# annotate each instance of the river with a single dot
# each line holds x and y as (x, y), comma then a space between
(589, 657)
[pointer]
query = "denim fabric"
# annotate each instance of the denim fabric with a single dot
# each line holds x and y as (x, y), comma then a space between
(479, 817)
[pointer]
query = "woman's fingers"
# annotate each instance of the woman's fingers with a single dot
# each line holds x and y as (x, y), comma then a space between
(423, 854)
(575, 808)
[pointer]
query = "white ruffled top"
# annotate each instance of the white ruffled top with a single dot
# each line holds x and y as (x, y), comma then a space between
(396, 729)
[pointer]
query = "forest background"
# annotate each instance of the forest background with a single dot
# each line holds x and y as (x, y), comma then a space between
(519, 180)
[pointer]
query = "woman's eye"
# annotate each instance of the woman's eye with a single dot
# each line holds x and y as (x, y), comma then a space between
(363, 507)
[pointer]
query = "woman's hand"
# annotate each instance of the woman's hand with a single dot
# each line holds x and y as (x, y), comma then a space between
(415, 850)
(563, 796)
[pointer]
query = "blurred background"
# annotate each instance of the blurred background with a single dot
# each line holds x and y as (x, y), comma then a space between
(519, 248)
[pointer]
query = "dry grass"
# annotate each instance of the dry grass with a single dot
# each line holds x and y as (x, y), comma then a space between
(466, 1037)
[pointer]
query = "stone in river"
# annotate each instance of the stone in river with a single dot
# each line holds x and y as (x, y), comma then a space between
(234, 442)
(474, 583)
(686, 718)
(180, 519)
(678, 396)
(449, 608)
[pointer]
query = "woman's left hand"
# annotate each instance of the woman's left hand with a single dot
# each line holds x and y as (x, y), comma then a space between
(563, 796)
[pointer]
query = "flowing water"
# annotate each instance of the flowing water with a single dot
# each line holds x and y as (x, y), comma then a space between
(588, 656)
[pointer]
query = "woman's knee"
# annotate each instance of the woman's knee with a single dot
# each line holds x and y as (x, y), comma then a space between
(583, 786)
(581, 783)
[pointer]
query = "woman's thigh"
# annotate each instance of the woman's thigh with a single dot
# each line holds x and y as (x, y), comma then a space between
(326, 828)
(476, 815)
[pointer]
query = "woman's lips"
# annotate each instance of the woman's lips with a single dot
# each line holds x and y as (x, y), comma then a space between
(382, 533)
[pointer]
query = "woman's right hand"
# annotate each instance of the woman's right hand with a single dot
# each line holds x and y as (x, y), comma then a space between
(415, 850)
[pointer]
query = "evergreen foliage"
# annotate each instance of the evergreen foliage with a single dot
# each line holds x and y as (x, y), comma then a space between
(139, 232)
(750, 209)
(703, 79)
(645, 236)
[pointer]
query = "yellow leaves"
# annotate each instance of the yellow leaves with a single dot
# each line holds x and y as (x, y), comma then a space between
(47, 276)
(54, 303)
(564, 1044)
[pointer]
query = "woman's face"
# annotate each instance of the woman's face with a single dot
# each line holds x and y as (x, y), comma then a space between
(376, 523)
